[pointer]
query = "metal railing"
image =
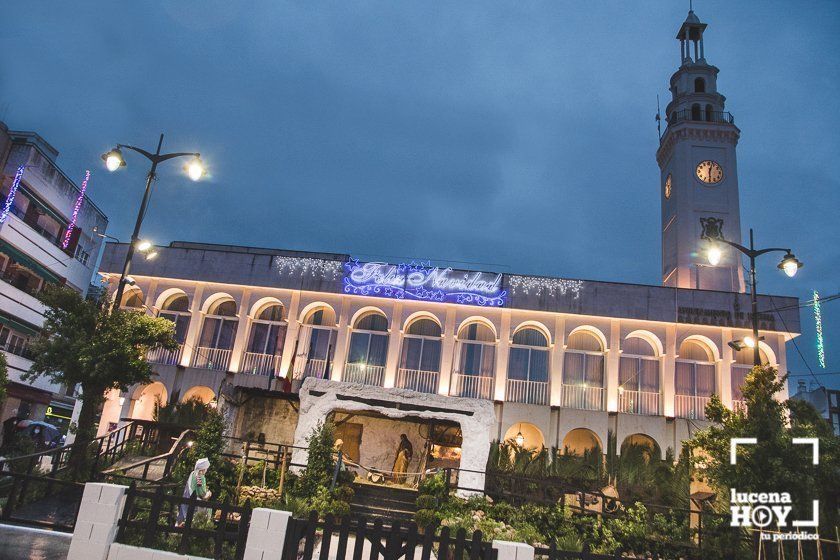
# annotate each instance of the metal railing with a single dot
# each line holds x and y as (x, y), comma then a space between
(638, 402)
(260, 364)
(418, 380)
(739, 405)
(724, 117)
(314, 368)
(472, 386)
(364, 373)
(688, 406)
(583, 397)
(163, 356)
(529, 392)
(211, 358)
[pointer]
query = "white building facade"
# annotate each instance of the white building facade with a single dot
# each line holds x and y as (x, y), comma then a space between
(38, 247)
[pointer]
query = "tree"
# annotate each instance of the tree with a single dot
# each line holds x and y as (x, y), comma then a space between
(774, 464)
(83, 343)
(4, 377)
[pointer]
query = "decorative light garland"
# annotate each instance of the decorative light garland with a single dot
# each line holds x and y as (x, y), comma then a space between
(301, 266)
(818, 322)
(12, 192)
(76, 208)
(526, 285)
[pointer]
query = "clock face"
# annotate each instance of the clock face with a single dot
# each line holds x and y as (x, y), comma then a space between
(668, 186)
(710, 172)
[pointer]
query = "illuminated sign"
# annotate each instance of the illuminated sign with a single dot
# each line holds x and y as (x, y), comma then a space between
(423, 282)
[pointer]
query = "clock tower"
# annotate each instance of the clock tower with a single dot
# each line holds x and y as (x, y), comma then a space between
(699, 178)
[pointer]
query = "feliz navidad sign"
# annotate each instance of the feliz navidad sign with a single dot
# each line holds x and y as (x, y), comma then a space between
(423, 282)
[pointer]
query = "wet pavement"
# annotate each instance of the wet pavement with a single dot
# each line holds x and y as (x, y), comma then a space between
(35, 544)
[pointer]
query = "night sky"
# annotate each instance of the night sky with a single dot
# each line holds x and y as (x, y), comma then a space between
(517, 137)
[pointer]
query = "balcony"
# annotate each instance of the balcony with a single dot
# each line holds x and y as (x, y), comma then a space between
(165, 357)
(418, 380)
(472, 386)
(721, 117)
(211, 358)
(314, 368)
(528, 392)
(260, 364)
(583, 397)
(691, 407)
(364, 374)
(739, 406)
(638, 402)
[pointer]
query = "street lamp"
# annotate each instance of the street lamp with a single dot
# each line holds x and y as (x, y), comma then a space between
(790, 264)
(113, 161)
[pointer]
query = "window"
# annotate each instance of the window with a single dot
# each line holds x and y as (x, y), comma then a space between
(695, 370)
(638, 366)
(367, 345)
(176, 309)
(219, 329)
(696, 113)
(21, 277)
(268, 331)
(478, 350)
(528, 359)
(14, 342)
(584, 360)
(421, 346)
(699, 85)
(710, 113)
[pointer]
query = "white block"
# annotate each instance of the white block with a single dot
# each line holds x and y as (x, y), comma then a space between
(103, 533)
(279, 521)
(92, 492)
(82, 529)
(262, 539)
(126, 552)
(111, 493)
(253, 554)
(102, 513)
(513, 550)
(164, 555)
(87, 550)
(260, 518)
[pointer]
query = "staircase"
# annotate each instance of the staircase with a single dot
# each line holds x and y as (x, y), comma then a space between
(386, 502)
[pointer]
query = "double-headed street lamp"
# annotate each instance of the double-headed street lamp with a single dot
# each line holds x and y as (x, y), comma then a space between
(113, 161)
(790, 264)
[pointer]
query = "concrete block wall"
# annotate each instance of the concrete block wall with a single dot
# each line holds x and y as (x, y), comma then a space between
(96, 525)
(266, 534)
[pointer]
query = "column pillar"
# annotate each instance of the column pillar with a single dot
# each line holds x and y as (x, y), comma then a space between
(723, 373)
(194, 330)
(558, 353)
(237, 355)
(447, 352)
(668, 371)
(342, 340)
(394, 337)
(612, 361)
(502, 350)
(151, 295)
(292, 329)
(781, 367)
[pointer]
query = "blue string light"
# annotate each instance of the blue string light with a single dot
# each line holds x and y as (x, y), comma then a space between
(7, 206)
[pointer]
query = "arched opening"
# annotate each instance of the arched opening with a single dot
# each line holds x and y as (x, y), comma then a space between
(525, 435)
(583, 370)
(710, 113)
(420, 357)
(315, 346)
(265, 340)
(580, 442)
(176, 308)
(146, 398)
(695, 379)
(132, 299)
(527, 376)
(699, 85)
(638, 377)
(474, 375)
(696, 113)
(368, 350)
(217, 335)
(641, 445)
(201, 393)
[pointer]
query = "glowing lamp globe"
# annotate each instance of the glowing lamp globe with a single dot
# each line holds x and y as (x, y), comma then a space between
(113, 159)
(195, 169)
(714, 254)
(749, 342)
(790, 264)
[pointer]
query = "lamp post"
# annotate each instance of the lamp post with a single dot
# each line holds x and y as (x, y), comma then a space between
(790, 264)
(113, 161)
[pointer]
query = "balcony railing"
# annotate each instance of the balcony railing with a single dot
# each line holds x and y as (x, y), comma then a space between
(472, 386)
(688, 406)
(583, 397)
(314, 368)
(638, 402)
(530, 392)
(418, 380)
(724, 117)
(364, 373)
(260, 364)
(739, 405)
(166, 357)
(211, 358)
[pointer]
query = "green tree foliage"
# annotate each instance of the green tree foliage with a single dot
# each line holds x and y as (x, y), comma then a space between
(314, 487)
(84, 343)
(189, 414)
(774, 464)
